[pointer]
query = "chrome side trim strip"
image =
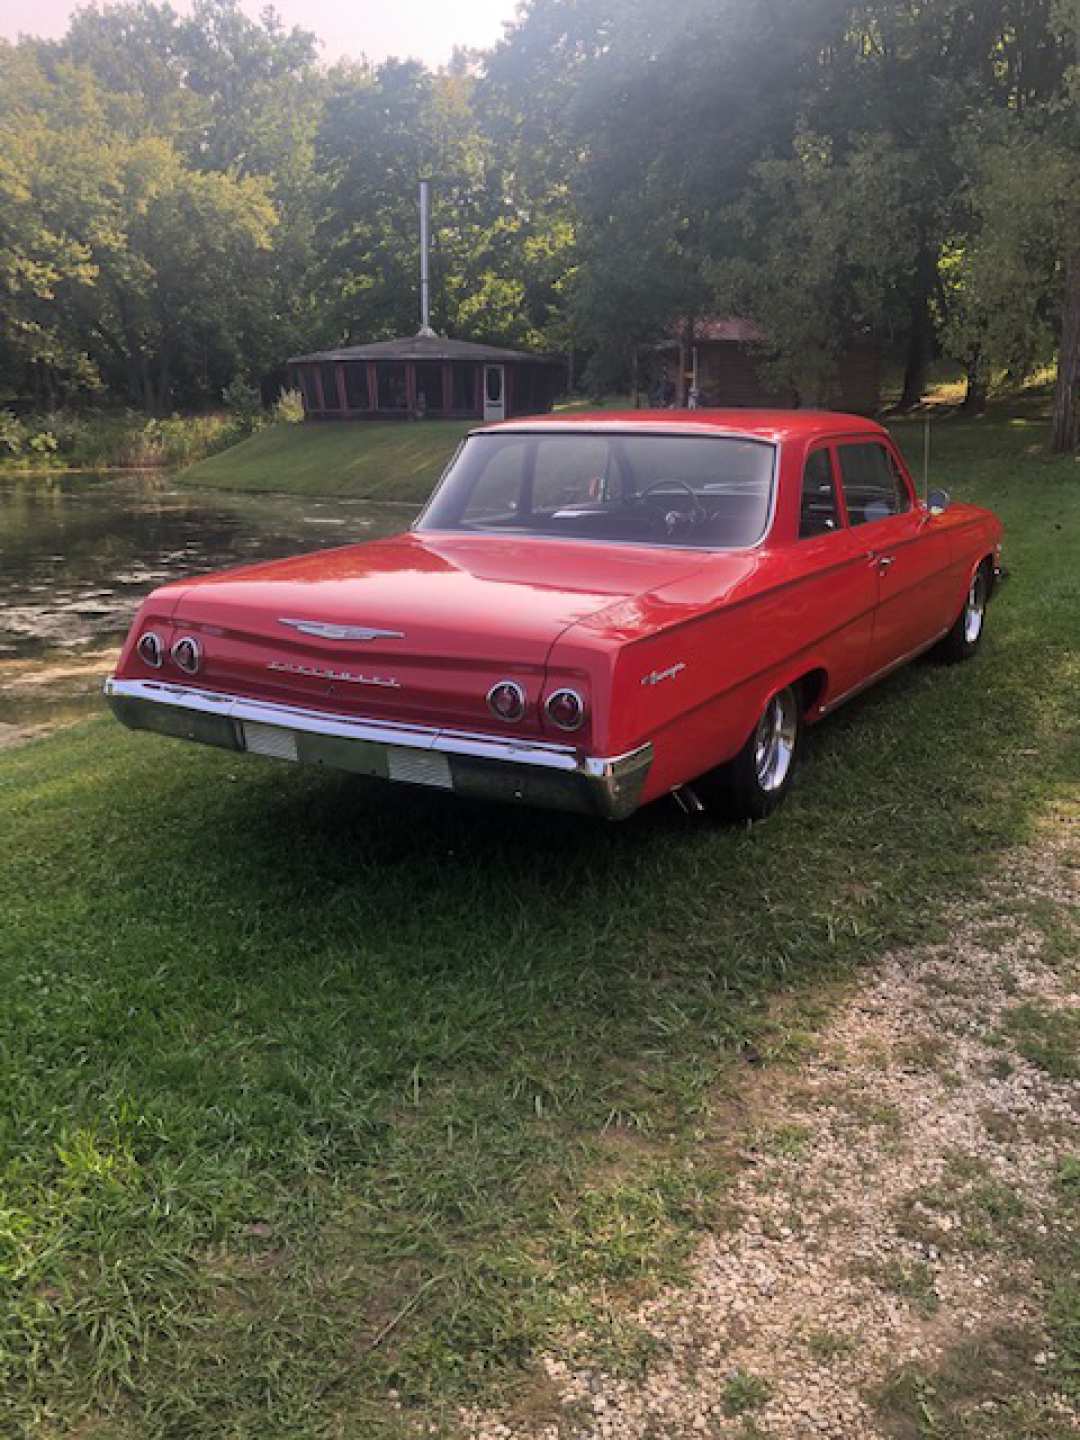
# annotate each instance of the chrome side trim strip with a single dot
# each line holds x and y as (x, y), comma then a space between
(885, 670)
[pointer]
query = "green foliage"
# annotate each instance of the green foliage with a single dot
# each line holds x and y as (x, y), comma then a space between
(12, 433)
(92, 440)
(244, 402)
(821, 276)
(185, 199)
(744, 1393)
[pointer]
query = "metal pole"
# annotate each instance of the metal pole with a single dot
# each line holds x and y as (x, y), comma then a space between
(425, 279)
(926, 459)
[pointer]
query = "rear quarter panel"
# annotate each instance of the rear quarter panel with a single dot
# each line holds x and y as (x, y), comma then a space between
(690, 667)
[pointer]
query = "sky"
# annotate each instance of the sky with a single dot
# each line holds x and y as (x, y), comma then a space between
(425, 29)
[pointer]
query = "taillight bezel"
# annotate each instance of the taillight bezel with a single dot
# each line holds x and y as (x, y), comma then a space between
(154, 640)
(521, 698)
(579, 700)
(195, 665)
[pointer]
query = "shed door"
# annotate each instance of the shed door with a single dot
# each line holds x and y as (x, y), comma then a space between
(494, 392)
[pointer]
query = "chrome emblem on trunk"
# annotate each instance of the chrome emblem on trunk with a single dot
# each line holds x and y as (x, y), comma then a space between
(342, 632)
(317, 672)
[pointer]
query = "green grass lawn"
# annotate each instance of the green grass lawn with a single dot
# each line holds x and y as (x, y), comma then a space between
(377, 461)
(311, 1089)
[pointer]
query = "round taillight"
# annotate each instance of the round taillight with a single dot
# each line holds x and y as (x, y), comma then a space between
(187, 655)
(151, 651)
(506, 701)
(566, 709)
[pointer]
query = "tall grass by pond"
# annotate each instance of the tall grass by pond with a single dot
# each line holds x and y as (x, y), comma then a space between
(129, 439)
(314, 1090)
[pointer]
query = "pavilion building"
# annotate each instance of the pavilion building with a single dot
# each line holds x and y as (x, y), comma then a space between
(425, 376)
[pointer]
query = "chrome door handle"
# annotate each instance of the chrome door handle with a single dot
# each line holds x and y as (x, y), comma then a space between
(884, 561)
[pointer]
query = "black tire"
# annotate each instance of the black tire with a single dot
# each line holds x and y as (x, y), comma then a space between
(963, 639)
(754, 783)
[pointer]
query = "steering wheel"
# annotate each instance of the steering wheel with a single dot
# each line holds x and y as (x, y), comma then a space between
(694, 516)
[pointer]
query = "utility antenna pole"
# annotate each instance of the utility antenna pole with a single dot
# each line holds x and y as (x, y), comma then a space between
(425, 243)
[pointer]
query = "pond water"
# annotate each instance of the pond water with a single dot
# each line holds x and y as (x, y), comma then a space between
(78, 553)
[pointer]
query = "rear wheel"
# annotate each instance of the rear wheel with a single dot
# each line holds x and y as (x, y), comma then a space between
(963, 639)
(753, 784)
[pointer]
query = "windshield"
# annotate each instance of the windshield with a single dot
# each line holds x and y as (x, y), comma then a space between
(690, 490)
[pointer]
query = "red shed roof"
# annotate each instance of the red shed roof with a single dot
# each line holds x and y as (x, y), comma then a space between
(736, 329)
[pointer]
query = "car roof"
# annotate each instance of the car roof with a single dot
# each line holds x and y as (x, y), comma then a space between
(771, 425)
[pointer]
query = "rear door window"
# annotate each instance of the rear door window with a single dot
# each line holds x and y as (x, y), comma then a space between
(874, 488)
(819, 513)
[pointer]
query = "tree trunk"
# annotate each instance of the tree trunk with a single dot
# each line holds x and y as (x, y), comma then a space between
(921, 334)
(975, 395)
(1065, 435)
(686, 341)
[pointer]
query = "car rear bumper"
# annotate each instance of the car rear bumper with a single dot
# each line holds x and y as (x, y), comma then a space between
(489, 767)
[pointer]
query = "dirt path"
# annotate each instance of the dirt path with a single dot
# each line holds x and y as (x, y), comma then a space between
(907, 1205)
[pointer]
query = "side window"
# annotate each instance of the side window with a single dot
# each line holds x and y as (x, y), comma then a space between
(819, 514)
(873, 486)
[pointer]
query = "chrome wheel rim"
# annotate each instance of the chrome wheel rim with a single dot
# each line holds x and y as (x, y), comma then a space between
(774, 741)
(975, 609)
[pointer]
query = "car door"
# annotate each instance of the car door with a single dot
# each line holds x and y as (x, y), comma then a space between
(909, 558)
(837, 599)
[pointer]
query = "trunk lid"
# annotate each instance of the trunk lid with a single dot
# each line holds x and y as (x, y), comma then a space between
(416, 628)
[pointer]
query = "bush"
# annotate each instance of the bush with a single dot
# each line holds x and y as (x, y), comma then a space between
(12, 433)
(289, 408)
(101, 440)
(244, 403)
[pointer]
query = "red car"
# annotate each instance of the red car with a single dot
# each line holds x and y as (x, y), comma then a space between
(590, 613)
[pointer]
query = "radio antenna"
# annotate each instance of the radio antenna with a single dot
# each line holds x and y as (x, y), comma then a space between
(926, 459)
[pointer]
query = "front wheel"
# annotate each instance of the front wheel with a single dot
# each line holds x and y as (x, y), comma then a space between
(963, 639)
(753, 784)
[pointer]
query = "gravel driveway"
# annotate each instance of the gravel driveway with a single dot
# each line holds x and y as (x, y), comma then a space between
(907, 1196)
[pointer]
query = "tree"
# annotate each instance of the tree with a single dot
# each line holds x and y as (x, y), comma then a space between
(120, 263)
(658, 114)
(815, 268)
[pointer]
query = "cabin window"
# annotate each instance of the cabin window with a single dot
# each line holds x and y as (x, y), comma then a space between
(328, 375)
(465, 387)
(307, 386)
(356, 391)
(819, 514)
(874, 488)
(393, 394)
(429, 392)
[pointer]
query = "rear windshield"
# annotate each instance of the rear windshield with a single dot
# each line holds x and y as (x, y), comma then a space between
(684, 490)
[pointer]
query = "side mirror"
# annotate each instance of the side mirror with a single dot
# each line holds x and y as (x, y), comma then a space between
(938, 501)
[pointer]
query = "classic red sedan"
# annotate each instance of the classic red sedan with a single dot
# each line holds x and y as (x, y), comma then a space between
(589, 614)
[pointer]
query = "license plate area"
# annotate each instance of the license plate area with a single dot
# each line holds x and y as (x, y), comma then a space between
(273, 741)
(360, 757)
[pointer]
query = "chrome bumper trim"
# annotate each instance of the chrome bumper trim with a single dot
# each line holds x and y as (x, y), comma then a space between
(490, 767)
